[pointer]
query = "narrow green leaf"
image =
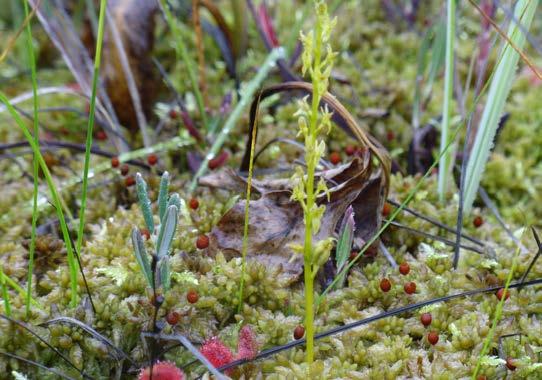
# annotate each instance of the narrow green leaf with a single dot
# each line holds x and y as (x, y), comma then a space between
(165, 273)
(167, 232)
(144, 202)
(141, 255)
(174, 200)
(498, 92)
(162, 195)
(5, 294)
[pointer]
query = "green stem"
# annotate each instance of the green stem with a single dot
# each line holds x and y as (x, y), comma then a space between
(5, 294)
(32, 62)
(72, 264)
(445, 164)
(180, 50)
(88, 144)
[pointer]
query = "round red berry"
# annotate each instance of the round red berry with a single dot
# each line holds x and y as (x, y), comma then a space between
(335, 158)
(371, 251)
(192, 296)
(432, 338)
(385, 285)
(350, 150)
(202, 242)
(124, 169)
(101, 135)
(299, 332)
(115, 162)
(500, 293)
(194, 204)
(426, 319)
(145, 233)
(129, 181)
(477, 221)
(390, 135)
(510, 363)
(173, 114)
(152, 159)
(172, 317)
(386, 209)
(410, 287)
(404, 269)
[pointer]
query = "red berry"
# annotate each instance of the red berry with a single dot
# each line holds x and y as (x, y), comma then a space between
(124, 169)
(386, 209)
(410, 287)
(202, 242)
(192, 296)
(500, 293)
(299, 332)
(173, 114)
(129, 181)
(353, 255)
(335, 158)
(426, 319)
(390, 135)
(194, 204)
(100, 135)
(350, 150)
(115, 162)
(510, 363)
(173, 317)
(385, 285)
(404, 269)
(481, 377)
(152, 159)
(162, 371)
(477, 221)
(371, 251)
(432, 338)
(145, 233)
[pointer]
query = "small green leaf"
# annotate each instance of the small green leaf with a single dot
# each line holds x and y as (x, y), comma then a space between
(144, 202)
(167, 231)
(492, 361)
(118, 273)
(141, 255)
(164, 273)
(162, 195)
(174, 200)
(185, 277)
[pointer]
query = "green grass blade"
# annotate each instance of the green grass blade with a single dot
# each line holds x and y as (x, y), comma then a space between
(57, 202)
(32, 61)
(446, 161)
(88, 144)
(344, 245)
(498, 315)
(248, 93)
(498, 93)
(5, 294)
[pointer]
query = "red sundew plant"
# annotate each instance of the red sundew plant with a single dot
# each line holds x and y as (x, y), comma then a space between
(162, 371)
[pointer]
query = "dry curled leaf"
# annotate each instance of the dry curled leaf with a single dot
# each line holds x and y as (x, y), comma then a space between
(276, 221)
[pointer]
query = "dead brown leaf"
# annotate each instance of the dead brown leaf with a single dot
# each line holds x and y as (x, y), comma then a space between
(276, 221)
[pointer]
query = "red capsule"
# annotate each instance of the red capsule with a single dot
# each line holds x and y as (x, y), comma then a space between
(124, 169)
(145, 233)
(500, 293)
(152, 159)
(385, 285)
(202, 242)
(432, 338)
(129, 181)
(115, 162)
(386, 209)
(410, 287)
(299, 332)
(194, 204)
(173, 317)
(192, 296)
(426, 319)
(477, 221)
(404, 269)
(510, 363)
(350, 150)
(335, 158)
(101, 135)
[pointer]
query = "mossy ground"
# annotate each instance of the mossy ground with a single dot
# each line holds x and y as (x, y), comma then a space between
(394, 347)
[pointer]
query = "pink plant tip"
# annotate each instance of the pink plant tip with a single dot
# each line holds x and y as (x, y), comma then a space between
(162, 371)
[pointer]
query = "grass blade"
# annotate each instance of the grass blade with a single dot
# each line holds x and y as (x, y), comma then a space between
(5, 294)
(498, 92)
(446, 160)
(344, 245)
(57, 201)
(32, 61)
(92, 110)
